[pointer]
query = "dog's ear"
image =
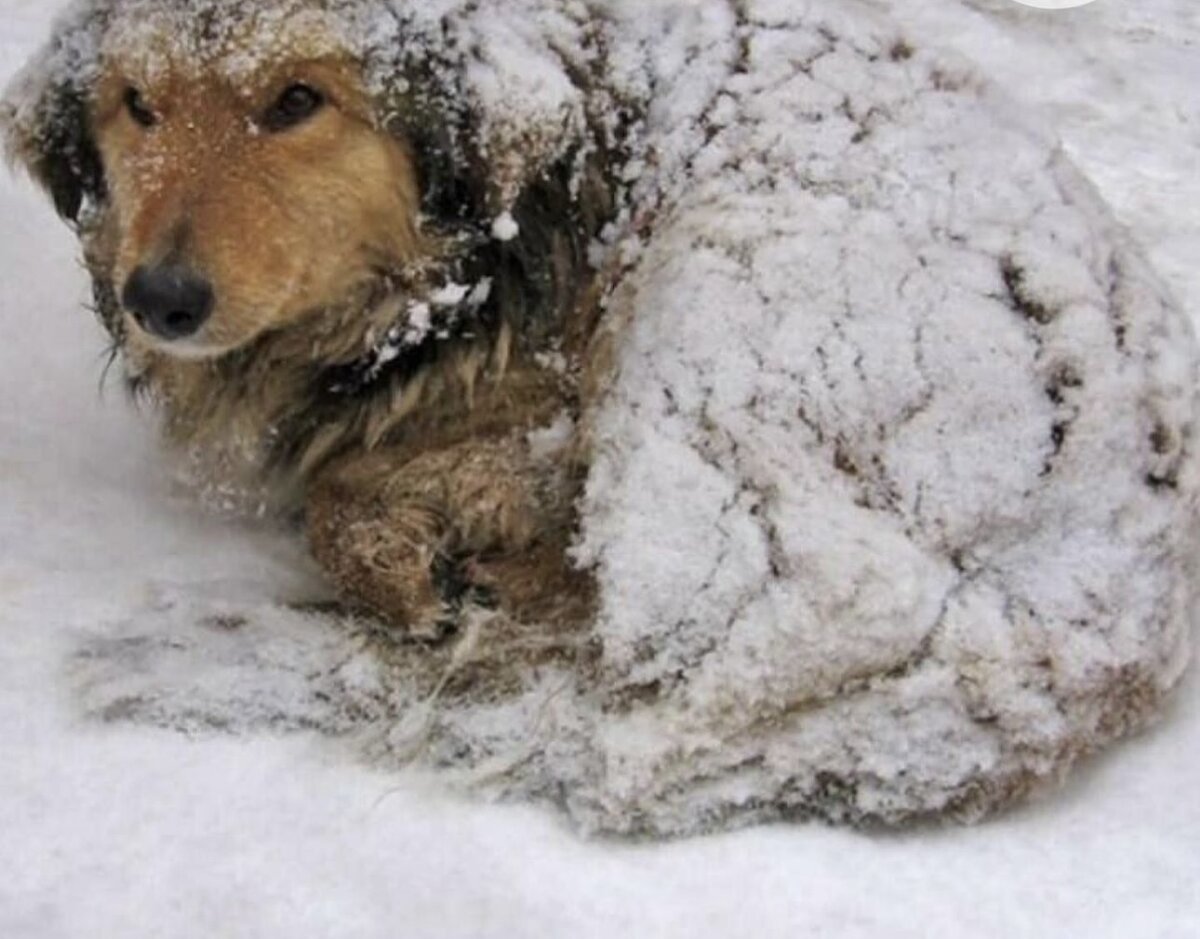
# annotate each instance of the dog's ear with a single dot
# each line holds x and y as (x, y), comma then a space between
(487, 112)
(510, 158)
(46, 129)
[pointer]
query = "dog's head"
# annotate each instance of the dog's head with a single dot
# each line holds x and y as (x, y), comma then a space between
(235, 166)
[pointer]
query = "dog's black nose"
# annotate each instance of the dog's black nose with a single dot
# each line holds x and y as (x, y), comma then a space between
(169, 301)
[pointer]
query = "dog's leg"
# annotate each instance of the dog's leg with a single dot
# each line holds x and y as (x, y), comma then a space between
(413, 539)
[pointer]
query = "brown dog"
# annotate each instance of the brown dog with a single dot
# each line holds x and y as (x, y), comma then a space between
(300, 271)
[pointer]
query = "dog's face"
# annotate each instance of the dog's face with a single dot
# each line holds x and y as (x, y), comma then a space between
(234, 168)
(241, 199)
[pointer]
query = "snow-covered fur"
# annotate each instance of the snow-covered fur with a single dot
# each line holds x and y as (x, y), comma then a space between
(506, 223)
(890, 496)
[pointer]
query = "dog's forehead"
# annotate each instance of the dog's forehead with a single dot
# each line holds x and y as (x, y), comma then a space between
(154, 40)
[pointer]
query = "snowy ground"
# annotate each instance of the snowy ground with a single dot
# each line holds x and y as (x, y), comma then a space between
(111, 831)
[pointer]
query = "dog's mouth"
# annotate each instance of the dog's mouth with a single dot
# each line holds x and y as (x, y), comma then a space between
(190, 350)
(175, 337)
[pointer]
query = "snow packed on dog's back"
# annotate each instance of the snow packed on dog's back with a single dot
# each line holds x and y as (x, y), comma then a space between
(892, 492)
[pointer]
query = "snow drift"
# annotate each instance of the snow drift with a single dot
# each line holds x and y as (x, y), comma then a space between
(892, 498)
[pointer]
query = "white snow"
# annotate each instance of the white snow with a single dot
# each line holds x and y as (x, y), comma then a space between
(505, 227)
(115, 831)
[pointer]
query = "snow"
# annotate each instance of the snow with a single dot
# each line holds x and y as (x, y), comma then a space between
(505, 227)
(112, 829)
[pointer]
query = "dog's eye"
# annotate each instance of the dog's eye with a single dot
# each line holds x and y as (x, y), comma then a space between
(136, 105)
(297, 104)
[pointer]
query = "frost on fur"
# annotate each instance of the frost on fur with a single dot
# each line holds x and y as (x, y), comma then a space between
(892, 486)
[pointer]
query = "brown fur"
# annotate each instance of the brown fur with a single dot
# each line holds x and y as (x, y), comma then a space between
(281, 223)
(421, 491)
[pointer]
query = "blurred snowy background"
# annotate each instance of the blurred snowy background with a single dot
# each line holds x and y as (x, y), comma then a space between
(111, 831)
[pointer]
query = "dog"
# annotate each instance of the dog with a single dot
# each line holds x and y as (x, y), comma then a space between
(317, 284)
(839, 344)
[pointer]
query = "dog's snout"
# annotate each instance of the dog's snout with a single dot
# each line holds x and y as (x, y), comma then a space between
(169, 301)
